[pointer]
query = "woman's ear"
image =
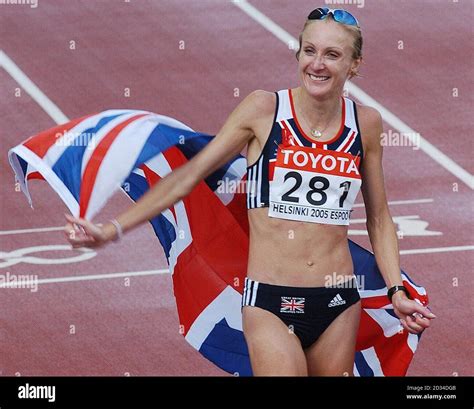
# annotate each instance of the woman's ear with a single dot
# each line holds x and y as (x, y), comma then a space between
(354, 70)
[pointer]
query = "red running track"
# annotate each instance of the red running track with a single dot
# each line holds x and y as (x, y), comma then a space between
(114, 326)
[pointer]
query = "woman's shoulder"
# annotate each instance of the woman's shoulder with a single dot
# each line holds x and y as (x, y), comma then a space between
(370, 124)
(368, 116)
(262, 101)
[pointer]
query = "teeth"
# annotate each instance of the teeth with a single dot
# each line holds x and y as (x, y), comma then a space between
(317, 78)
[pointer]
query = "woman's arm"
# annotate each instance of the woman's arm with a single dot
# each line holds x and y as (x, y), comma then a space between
(381, 229)
(231, 139)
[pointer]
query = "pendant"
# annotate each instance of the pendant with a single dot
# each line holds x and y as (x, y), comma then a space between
(315, 133)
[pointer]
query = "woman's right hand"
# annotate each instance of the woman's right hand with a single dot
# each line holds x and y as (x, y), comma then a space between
(82, 233)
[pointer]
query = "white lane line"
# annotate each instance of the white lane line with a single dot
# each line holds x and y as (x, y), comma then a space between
(267, 23)
(30, 87)
(401, 202)
(48, 229)
(26, 284)
(390, 118)
(84, 278)
(363, 220)
(432, 151)
(36, 230)
(437, 250)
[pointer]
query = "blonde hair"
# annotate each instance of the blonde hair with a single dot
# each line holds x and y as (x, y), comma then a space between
(354, 30)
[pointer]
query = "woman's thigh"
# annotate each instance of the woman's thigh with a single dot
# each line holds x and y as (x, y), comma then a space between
(273, 348)
(334, 351)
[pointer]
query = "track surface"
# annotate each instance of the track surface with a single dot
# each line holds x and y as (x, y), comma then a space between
(115, 326)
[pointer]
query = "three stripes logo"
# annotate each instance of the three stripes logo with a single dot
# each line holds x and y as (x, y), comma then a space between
(337, 300)
(292, 305)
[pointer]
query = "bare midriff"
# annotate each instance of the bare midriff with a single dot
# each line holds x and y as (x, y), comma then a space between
(295, 253)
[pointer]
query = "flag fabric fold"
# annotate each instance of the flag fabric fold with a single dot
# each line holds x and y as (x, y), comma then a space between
(204, 237)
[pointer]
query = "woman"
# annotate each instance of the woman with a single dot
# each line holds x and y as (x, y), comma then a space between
(308, 150)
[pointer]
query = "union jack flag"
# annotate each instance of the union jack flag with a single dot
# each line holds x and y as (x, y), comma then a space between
(292, 305)
(86, 160)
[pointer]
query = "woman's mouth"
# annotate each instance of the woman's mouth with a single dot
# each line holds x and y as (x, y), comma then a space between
(318, 78)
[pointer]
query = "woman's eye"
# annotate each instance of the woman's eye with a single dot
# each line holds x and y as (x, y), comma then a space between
(308, 50)
(333, 55)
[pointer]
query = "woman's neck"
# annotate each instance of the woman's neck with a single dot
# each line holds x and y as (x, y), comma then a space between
(318, 112)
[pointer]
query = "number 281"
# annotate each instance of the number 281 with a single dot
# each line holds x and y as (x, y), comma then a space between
(313, 189)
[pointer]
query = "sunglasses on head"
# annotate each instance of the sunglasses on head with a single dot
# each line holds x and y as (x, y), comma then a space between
(339, 15)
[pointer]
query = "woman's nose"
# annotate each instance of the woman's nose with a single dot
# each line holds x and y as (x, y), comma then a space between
(317, 63)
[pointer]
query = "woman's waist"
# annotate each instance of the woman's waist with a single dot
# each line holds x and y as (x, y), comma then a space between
(299, 276)
(297, 240)
(296, 253)
(306, 268)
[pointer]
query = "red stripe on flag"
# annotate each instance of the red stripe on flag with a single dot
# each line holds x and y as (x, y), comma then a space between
(236, 207)
(212, 261)
(34, 175)
(393, 352)
(153, 178)
(40, 144)
(376, 302)
(95, 161)
(381, 301)
(366, 335)
(415, 294)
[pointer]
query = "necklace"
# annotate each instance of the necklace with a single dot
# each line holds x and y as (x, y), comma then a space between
(316, 133)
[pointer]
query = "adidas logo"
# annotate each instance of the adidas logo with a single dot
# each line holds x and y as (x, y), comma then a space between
(337, 300)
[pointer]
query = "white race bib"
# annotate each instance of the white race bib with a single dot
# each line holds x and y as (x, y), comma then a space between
(314, 185)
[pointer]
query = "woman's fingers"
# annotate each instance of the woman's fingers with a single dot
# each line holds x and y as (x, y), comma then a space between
(411, 308)
(71, 219)
(83, 233)
(72, 232)
(83, 224)
(424, 311)
(406, 327)
(68, 229)
(78, 232)
(411, 323)
(421, 321)
(414, 317)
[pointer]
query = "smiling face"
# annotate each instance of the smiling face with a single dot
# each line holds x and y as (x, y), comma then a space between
(326, 58)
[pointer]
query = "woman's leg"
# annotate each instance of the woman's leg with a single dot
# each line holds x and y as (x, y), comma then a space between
(333, 353)
(273, 348)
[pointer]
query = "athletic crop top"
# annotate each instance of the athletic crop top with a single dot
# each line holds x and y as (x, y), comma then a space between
(301, 179)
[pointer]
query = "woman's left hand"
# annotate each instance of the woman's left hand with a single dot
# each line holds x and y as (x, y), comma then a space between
(413, 316)
(83, 233)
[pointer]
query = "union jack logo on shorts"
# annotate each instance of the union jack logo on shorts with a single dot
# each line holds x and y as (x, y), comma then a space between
(293, 305)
